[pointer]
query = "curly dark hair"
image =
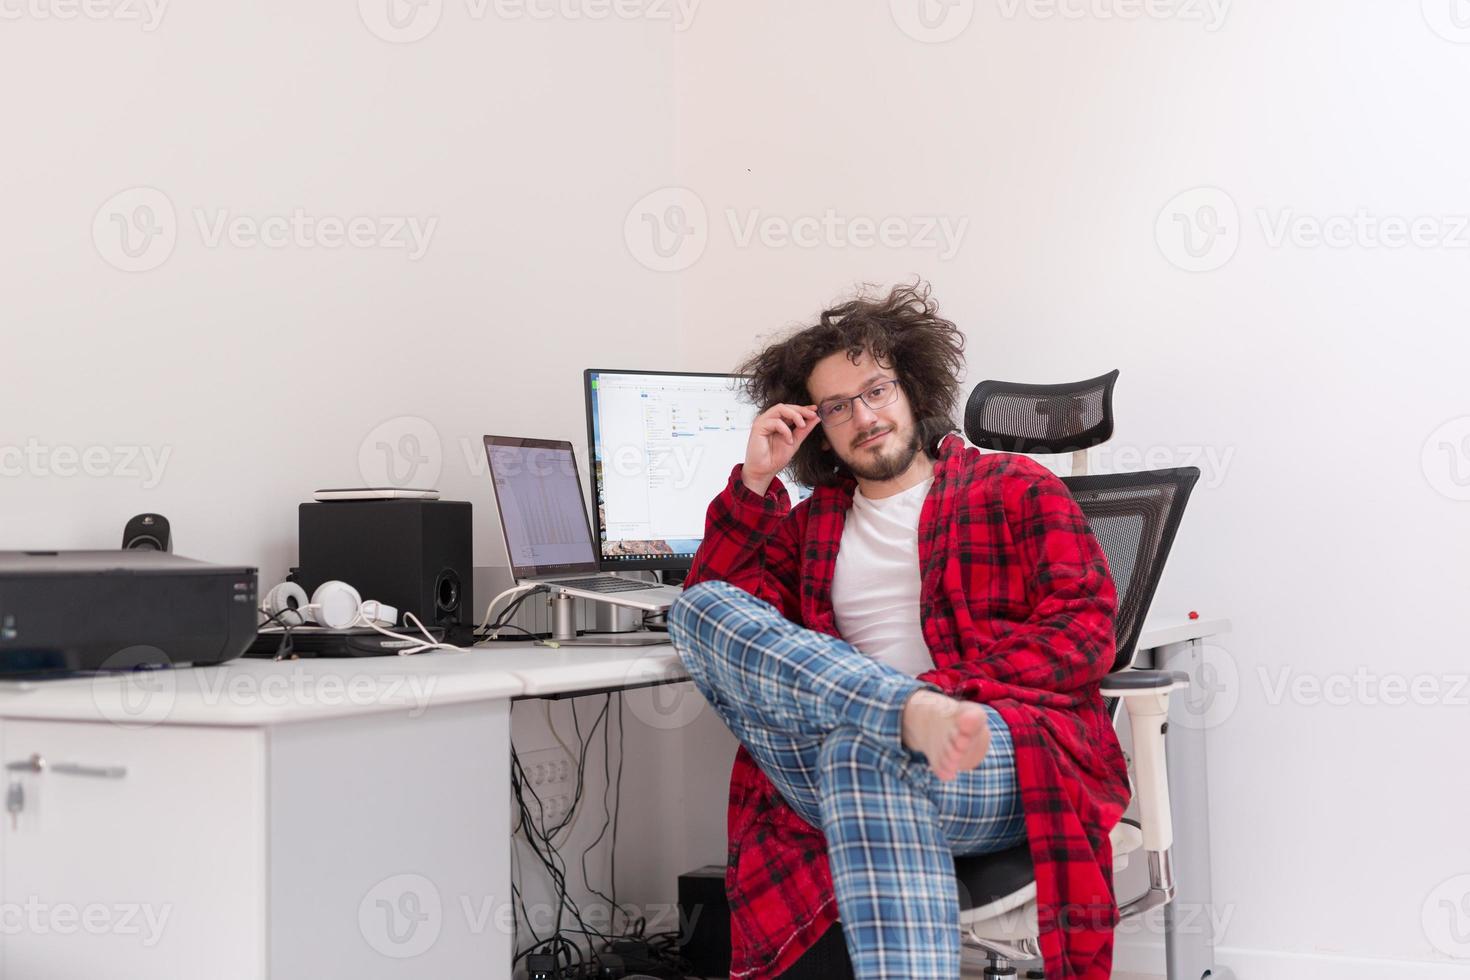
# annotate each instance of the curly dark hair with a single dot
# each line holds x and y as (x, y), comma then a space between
(903, 330)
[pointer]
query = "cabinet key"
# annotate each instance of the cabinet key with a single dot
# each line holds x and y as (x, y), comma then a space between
(15, 801)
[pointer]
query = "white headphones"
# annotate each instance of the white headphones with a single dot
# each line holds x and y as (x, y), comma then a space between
(335, 605)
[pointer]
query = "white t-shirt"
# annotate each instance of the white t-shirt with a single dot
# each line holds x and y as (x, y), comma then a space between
(875, 586)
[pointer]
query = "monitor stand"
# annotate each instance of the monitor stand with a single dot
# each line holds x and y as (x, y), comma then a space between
(564, 629)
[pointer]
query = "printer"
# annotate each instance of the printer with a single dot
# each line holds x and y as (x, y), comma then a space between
(68, 611)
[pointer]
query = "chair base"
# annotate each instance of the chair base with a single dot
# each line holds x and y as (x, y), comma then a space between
(994, 967)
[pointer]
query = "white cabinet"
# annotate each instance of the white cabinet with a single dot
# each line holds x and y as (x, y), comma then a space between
(148, 873)
(367, 845)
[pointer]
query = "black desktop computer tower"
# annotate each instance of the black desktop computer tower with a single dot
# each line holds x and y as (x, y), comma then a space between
(413, 554)
(704, 921)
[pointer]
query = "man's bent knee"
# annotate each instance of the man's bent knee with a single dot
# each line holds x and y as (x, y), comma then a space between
(708, 600)
(686, 609)
(684, 615)
(696, 599)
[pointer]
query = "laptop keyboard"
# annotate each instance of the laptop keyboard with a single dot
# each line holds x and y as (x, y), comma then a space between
(604, 584)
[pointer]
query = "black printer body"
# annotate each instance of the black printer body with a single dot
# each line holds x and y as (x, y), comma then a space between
(68, 611)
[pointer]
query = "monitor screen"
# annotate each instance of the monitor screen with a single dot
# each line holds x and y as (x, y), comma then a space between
(662, 445)
(542, 514)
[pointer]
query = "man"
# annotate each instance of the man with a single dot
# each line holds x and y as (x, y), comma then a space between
(910, 659)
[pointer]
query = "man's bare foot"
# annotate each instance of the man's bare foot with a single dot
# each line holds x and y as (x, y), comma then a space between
(952, 734)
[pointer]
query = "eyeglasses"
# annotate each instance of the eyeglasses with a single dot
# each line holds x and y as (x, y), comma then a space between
(839, 410)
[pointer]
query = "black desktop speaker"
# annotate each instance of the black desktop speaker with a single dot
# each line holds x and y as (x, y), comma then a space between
(413, 554)
(147, 532)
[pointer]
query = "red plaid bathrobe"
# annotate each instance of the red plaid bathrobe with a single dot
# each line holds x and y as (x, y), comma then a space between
(1017, 609)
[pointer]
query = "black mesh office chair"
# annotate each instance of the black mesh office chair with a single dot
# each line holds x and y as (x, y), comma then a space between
(1134, 517)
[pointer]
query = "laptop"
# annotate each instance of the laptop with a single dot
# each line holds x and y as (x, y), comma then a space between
(547, 535)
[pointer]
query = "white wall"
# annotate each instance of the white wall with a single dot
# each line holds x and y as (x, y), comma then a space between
(1314, 376)
(263, 371)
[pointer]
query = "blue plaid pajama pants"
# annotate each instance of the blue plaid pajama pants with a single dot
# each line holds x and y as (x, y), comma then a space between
(823, 721)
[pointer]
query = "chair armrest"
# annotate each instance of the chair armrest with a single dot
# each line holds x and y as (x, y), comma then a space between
(1131, 683)
(1146, 693)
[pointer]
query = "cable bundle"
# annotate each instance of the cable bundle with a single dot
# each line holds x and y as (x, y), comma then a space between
(560, 956)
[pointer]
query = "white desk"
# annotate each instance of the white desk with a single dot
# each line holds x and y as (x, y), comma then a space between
(1189, 944)
(307, 819)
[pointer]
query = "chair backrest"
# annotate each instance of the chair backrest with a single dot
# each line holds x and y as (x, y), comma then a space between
(1016, 418)
(1134, 517)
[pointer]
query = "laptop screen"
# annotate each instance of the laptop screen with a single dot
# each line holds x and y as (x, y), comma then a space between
(539, 495)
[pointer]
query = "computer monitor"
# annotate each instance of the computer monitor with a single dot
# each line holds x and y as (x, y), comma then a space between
(661, 446)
